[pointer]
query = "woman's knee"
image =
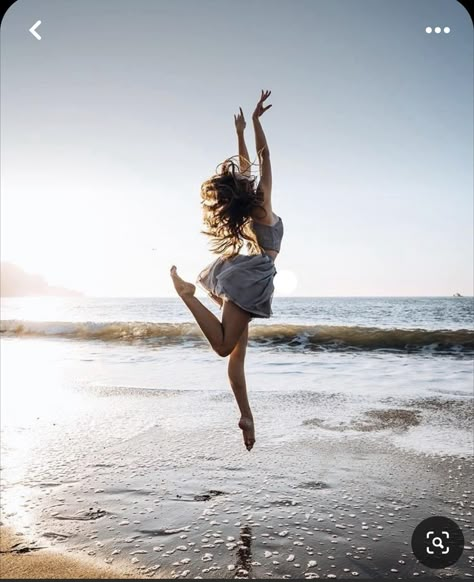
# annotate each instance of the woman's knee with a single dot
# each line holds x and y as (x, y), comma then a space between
(236, 352)
(223, 350)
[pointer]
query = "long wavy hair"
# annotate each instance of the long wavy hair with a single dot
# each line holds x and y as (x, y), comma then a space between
(229, 200)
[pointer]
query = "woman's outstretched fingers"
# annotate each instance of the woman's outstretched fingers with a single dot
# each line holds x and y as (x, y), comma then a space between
(239, 121)
(260, 109)
(265, 95)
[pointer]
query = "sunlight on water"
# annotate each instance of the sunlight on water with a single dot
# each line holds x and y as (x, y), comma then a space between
(32, 381)
(39, 308)
(29, 381)
(35, 396)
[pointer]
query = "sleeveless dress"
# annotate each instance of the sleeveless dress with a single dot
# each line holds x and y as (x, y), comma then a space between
(246, 280)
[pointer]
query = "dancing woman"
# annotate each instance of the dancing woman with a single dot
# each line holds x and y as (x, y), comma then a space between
(236, 209)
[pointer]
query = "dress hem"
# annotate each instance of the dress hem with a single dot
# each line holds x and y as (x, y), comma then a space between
(225, 295)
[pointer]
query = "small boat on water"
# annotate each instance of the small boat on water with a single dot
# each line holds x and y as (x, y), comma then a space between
(457, 295)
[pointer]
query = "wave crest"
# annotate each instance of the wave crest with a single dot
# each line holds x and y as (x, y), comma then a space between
(289, 336)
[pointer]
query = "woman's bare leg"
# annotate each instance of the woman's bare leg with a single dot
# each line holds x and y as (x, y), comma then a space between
(237, 381)
(222, 336)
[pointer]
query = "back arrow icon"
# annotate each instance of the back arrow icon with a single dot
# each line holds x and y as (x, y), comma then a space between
(33, 30)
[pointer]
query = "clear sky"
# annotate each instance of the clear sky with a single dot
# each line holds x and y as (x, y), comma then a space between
(114, 118)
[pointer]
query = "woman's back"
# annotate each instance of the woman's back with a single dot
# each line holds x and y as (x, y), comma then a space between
(269, 236)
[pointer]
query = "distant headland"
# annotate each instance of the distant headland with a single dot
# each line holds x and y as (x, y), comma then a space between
(15, 282)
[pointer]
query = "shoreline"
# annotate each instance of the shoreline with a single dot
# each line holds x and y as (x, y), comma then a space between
(133, 483)
(350, 517)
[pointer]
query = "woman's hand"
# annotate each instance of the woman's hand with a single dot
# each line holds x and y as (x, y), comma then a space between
(260, 109)
(240, 121)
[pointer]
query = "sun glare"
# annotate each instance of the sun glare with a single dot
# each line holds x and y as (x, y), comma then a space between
(285, 282)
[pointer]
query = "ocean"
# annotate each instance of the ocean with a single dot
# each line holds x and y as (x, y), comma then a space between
(368, 349)
(312, 343)
(120, 406)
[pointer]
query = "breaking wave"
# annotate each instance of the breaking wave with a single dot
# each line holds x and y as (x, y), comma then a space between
(281, 336)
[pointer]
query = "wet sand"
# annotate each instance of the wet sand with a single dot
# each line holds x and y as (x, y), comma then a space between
(150, 483)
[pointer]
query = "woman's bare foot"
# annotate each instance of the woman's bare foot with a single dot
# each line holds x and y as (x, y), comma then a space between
(182, 287)
(248, 429)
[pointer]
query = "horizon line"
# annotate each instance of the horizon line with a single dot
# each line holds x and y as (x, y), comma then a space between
(86, 296)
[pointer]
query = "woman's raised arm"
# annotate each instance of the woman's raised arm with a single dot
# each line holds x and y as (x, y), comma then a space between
(262, 150)
(244, 162)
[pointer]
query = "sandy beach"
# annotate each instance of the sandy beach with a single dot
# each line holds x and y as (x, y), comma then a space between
(20, 559)
(179, 496)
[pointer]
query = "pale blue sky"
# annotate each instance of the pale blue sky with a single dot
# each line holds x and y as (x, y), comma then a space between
(111, 122)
